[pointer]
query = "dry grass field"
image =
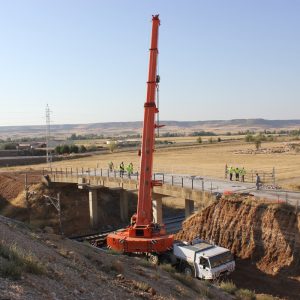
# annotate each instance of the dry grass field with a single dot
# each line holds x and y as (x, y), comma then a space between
(202, 160)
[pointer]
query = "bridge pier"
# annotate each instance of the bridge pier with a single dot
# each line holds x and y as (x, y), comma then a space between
(124, 205)
(157, 208)
(189, 207)
(93, 207)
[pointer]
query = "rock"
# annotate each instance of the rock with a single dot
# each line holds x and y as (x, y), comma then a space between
(48, 229)
(152, 291)
(120, 276)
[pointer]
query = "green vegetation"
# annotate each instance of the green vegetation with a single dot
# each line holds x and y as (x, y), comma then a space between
(75, 137)
(67, 149)
(14, 261)
(112, 146)
(228, 286)
(199, 140)
(245, 294)
(203, 133)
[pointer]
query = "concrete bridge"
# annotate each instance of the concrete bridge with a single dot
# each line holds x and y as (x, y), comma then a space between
(95, 179)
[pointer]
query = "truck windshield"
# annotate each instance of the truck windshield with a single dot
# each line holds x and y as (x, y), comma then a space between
(220, 259)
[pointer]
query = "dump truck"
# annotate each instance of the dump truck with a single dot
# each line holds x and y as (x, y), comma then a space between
(202, 259)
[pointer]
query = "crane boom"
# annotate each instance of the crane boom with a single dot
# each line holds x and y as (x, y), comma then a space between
(144, 236)
(144, 209)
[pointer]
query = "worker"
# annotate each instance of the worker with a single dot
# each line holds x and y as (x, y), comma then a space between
(237, 174)
(111, 166)
(242, 173)
(129, 169)
(230, 173)
(257, 181)
(122, 169)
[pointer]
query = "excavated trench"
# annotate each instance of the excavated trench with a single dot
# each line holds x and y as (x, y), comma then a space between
(265, 239)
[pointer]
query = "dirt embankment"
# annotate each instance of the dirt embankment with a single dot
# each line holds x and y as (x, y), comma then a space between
(269, 235)
(34, 265)
(74, 204)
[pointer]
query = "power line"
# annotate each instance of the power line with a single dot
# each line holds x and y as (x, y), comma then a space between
(48, 153)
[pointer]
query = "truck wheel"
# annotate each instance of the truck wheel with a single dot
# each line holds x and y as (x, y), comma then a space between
(188, 271)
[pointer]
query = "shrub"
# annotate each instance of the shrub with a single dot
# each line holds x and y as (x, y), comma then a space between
(257, 143)
(13, 262)
(245, 294)
(249, 138)
(74, 149)
(112, 146)
(82, 149)
(117, 266)
(199, 140)
(143, 286)
(265, 297)
(228, 287)
(168, 268)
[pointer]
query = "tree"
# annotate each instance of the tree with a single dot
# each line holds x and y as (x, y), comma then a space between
(199, 140)
(219, 140)
(65, 149)
(257, 143)
(249, 138)
(112, 146)
(74, 149)
(82, 149)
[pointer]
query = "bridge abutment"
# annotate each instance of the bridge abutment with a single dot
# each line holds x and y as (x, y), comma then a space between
(93, 207)
(189, 207)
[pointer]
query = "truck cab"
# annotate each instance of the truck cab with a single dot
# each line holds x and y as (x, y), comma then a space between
(202, 259)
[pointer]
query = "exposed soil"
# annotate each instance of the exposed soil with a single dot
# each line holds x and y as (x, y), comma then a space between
(265, 238)
(73, 270)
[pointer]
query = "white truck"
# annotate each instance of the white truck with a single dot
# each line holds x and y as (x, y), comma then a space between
(202, 259)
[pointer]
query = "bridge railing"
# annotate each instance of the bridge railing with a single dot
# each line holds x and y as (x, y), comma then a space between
(192, 182)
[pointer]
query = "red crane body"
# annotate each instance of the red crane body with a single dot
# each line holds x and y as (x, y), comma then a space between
(143, 235)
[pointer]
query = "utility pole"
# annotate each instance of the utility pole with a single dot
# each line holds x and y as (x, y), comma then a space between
(55, 202)
(48, 154)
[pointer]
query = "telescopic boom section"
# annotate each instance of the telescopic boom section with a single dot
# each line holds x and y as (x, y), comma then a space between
(144, 209)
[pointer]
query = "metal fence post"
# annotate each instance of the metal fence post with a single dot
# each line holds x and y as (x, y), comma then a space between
(181, 181)
(101, 172)
(192, 183)
(172, 180)
(163, 177)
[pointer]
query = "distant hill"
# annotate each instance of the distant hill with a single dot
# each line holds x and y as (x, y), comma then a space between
(127, 128)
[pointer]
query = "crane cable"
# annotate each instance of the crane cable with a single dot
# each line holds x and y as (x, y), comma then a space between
(157, 95)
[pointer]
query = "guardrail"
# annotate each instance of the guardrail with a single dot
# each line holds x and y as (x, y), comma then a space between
(174, 180)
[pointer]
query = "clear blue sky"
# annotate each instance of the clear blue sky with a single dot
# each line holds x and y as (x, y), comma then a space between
(89, 59)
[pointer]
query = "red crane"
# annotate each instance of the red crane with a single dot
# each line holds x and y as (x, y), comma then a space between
(143, 235)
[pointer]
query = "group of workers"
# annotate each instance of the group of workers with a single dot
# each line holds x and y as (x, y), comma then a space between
(239, 173)
(122, 168)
